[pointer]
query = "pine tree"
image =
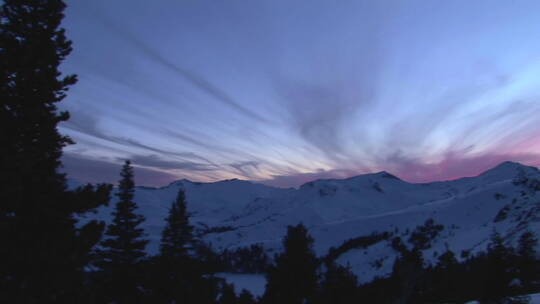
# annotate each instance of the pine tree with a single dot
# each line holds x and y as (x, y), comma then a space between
(528, 264)
(174, 273)
(445, 278)
(498, 273)
(177, 237)
(407, 276)
(228, 296)
(43, 251)
(339, 285)
(123, 249)
(246, 297)
(178, 277)
(124, 244)
(294, 278)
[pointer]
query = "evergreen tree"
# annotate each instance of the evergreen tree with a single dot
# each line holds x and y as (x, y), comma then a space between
(339, 285)
(43, 251)
(498, 272)
(445, 278)
(123, 249)
(528, 264)
(177, 276)
(246, 297)
(228, 296)
(177, 237)
(407, 276)
(252, 259)
(294, 277)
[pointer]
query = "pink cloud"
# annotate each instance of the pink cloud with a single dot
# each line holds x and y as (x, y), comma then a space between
(453, 167)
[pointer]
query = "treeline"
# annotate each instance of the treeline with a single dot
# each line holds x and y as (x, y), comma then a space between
(356, 243)
(183, 270)
(251, 259)
(502, 274)
(123, 273)
(499, 275)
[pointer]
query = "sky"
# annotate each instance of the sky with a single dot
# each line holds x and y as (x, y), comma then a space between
(285, 92)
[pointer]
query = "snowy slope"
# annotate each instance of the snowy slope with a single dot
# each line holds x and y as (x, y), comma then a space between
(211, 204)
(337, 210)
(533, 299)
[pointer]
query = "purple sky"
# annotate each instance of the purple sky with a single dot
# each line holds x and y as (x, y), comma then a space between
(285, 92)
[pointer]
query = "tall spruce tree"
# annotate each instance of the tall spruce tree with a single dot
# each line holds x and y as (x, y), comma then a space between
(177, 236)
(294, 277)
(228, 296)
(123, 249)
(177, 276)
(407, 276)
(445, 279)
(528, 263)
(339, 285)
(246, 297)
(43, 252)
(499, 269)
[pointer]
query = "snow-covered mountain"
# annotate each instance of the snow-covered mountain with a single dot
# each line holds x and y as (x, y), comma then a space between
(237, 213)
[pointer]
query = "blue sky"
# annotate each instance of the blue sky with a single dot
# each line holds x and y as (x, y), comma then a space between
(289, 91)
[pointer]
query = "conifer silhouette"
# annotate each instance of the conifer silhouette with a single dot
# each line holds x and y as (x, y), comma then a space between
(43, 251)
(123, 248)
(177, 237)
(294, 277)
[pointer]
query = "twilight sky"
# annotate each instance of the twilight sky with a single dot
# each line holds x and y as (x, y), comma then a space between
(289, 91)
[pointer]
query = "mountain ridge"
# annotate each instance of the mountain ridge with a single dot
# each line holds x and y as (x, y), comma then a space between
(241, 213)
(506, 165)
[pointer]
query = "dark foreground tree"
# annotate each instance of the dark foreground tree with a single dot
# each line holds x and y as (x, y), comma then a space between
(228, 296)
(123, 248)
(43, 251)
(528, 263)
(499, 271)
(246, 297)
(177, 237)
(339, 285)
(176, 275)
(445, 279)
(294, 277)
(408, 277)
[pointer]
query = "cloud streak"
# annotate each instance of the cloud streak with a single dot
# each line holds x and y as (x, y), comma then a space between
(193, 78)
(279, 93)
(103, 171)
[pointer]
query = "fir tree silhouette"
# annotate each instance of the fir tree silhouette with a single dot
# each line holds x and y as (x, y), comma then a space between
(177, 275)
(527, 262)
(43, 251)
(228, 296)
(123, 248)
(177, 237)
(294, 277)
(498, 273)
(246, 297)
(339, 285)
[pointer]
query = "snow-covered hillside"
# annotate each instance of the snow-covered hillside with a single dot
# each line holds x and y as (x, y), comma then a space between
(237, 213)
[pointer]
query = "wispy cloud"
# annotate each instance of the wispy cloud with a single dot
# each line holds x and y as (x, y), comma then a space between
(192, 77)
(106, 171)
(280, 93)
(154, 161)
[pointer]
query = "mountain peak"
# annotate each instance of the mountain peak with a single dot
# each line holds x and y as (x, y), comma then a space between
(385, 174)
(381, 174)
(368, 177)
(508, 165)
(507, 168)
